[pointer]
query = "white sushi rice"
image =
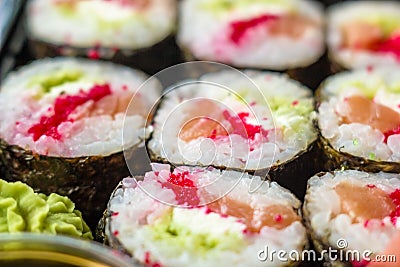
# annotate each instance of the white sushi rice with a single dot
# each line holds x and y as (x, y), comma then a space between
(360, 139)
(119, 24)
(290, 127)
(323, 205)
(204, 31)
(350, 11)
(24, 102)
(134, 225)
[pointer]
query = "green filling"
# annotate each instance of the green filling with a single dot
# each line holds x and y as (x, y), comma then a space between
(23, 210)
(293, 117)
(174, 236)
(66, 9)
(371, 86)
(48, 81)
(388, 24)
(228, 5)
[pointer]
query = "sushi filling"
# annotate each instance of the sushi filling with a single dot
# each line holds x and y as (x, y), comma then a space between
(365, 33)
(233, 225)
(60, 113)
(359, 207)
(360, 113)
(245, 33)
(380, 35)
(246, 128)
(116, 24)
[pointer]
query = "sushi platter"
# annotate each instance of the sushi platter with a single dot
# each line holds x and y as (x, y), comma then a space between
(169, 133)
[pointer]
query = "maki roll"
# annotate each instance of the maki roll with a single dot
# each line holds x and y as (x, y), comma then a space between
(23, 210)
(259, 121)
(187, 215)
(359, 119)
(284, 35)
(61, 127)
(132, 32)
(356, 213)
(364, 33)
(276, 35)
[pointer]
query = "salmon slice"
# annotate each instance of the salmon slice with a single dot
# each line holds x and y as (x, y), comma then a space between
(204, 121)
(277, 216)
(293, 26)
(202, 127)
(360, 109)
(119, 103)
(364, 203)
(361, 35)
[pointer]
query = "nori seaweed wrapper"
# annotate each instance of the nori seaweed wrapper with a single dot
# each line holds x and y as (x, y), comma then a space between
(292, 174)
(100, 231)
(310, 76)
(151, 60)
(87, 181)
(321, 243)
(104, 234)
(334, 159)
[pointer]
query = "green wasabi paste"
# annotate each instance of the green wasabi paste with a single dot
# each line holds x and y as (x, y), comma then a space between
(23, 210)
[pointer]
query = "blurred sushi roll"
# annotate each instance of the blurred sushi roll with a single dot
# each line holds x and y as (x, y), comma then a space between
(218, 229)
(275, 35)
(359, 119)
(364, 33)
(353, 212)
(131, 32)
(259, 122)
(61, 127)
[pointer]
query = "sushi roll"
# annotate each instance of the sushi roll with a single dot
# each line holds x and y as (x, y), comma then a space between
(359, 119)
(275, 35)
(353, 212)
(61, 127)
(203, 216)
(23, 210)
(131, 32)
(364, 33)
(260, 121)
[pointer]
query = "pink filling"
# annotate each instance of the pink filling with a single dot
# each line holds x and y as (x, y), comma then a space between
(392, 46)
(184, 188)
(242, 128)
(241, 27)
(395, 196)
(63, 107)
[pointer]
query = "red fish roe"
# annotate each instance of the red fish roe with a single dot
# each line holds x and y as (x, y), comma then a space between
(93, 53)
(115, 233)
(114, 214)
(395, 196)
(65, 105)
(208, 210)
(371, 185)
(239, 28)
(184, 188)
(278, 218)
(391, 132)
(148, 261)
(392, 46)
(242, 128)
